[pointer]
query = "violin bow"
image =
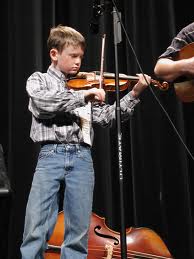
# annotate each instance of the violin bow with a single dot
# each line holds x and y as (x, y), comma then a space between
(102, 61)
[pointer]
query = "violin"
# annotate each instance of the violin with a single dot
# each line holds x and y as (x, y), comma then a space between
(104, 243)
(81, 82)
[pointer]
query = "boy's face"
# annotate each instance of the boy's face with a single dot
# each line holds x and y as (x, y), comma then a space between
(69, 60)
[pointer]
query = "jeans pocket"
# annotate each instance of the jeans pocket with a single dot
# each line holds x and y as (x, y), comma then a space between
(46, 151)
(85, 154)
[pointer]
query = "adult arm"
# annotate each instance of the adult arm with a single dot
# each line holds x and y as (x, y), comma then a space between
(170, 70)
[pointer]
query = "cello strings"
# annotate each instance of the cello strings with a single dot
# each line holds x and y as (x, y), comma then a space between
(117, 253)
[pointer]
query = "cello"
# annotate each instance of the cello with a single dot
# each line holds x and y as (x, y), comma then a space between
(104, 242)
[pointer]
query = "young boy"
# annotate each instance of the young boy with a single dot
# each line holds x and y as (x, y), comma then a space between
(61, 123)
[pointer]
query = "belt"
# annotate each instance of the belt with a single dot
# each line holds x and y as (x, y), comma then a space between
(83, 144)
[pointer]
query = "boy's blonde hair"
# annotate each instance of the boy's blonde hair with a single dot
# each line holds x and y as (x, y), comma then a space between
(63, 36)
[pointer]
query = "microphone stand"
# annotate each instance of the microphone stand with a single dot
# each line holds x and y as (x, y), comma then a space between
(117, 40)
(98, 10)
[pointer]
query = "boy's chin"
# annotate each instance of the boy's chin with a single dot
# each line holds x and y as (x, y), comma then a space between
(73, 73)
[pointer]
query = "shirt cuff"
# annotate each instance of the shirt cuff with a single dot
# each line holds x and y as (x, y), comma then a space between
(80, 97)
(130, 101)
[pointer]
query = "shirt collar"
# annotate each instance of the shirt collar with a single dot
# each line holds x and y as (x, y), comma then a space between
(58, 75)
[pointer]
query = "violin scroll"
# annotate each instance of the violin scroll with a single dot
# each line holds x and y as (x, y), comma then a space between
(162, 86)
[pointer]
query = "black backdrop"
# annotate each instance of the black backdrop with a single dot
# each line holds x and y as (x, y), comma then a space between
(158, 172)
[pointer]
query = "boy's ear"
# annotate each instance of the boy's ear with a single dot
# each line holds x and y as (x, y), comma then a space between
(54, 54)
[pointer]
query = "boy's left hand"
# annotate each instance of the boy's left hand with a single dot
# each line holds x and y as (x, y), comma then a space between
(143, 82)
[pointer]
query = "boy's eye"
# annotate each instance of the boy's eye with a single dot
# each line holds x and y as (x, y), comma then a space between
(74, 56)
(77, 56)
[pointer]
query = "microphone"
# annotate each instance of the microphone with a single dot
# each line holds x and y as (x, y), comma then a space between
(97, 11)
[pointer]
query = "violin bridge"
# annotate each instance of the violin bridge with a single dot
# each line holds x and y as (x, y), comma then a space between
(109, 249)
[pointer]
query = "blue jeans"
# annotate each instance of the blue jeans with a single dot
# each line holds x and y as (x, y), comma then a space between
(73, 165)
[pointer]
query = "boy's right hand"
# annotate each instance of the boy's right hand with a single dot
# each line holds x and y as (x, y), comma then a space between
(94, 95)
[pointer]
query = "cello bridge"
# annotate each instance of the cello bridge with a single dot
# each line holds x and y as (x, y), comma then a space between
(109, 249)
